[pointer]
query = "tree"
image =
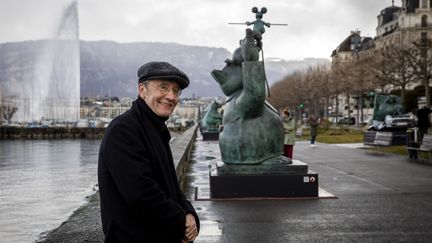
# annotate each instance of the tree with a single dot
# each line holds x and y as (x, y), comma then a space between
(395, 67)
(362, 79)
(421, 63)
(382, 69)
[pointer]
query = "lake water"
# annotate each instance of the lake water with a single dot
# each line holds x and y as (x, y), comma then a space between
(41, 183)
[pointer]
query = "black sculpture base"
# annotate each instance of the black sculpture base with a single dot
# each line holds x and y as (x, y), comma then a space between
(287, 180)
(210, 135)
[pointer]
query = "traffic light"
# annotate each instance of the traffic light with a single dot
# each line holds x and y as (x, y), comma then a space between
(301, 106)
(371, 93)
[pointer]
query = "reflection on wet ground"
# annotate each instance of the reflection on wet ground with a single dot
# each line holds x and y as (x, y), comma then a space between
(374, 203)
(204, 153)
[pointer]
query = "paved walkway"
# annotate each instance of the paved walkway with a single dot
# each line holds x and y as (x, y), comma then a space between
(381, 198)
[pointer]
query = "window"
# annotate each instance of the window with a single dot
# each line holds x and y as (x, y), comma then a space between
(423, 36)
(424, 21)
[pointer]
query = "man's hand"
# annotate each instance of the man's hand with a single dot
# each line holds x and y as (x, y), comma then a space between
(191, 231)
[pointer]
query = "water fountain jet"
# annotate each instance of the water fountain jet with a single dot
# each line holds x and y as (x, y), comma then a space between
(53, 89)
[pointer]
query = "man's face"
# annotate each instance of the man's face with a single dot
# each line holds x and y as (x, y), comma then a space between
(160, 95)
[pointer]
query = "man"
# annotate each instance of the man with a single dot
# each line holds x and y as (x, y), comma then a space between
(141, 200)
(423, 121)
(313, 123)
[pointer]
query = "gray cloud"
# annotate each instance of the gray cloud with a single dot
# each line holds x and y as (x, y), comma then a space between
(315, 27)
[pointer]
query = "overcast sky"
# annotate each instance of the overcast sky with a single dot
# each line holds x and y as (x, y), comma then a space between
(315, 27)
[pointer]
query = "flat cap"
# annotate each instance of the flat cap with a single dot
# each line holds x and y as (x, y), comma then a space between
(162, 71)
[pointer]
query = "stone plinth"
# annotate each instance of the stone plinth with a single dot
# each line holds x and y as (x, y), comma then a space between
(210, 135)
(278, 177)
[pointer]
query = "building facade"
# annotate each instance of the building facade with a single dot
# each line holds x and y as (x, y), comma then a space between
(405, 26)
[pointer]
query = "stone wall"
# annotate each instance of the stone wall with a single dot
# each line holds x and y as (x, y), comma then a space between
(50, 132)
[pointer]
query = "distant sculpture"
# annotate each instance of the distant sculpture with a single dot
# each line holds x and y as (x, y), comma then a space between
(387, 105)
(252, 130)
(212, 118)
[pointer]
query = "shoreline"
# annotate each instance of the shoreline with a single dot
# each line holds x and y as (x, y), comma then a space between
(87, 215)
(50, 133)
(13, 133)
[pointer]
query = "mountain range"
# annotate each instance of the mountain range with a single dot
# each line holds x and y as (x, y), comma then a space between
(109, 68)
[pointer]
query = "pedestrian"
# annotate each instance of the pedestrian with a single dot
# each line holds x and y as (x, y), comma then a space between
(141, 200)
(313, 124)
(423, 122)
(289, 132)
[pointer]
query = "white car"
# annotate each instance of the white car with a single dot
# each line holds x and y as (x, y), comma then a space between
(400, 121)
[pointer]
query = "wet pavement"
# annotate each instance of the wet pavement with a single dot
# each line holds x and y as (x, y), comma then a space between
(380, 198)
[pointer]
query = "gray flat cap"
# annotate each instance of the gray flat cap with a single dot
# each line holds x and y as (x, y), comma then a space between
(162, 71)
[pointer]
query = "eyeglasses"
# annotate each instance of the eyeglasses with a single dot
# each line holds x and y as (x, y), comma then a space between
(164, 88)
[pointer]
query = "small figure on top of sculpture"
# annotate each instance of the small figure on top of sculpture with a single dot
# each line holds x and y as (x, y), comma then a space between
(258, 24)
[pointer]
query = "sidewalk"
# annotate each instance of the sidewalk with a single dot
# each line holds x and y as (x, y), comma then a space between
(381, 198)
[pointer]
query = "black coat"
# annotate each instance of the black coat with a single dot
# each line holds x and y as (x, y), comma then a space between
(423, 118)
(141, 200)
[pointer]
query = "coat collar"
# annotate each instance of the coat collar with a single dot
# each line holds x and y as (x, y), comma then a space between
(157, 121)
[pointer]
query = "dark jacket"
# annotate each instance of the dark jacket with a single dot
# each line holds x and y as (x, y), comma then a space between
(141, 200)
(313, 123)
(423, 118)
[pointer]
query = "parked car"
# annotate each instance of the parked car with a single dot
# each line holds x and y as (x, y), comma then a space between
(400, 121)
(345, 120)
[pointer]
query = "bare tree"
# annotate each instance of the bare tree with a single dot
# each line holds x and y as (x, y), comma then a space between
(383, 69)
(346, 80)
(421, 63)
(304, 91)
(336, 78)
(322, 74)
(362, 82)
(396, 68)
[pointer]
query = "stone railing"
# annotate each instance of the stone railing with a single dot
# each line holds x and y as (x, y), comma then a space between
(181, 147)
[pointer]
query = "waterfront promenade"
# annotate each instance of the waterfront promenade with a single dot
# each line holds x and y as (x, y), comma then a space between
(380, 198)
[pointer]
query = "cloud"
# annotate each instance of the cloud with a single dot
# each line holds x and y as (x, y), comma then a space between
(315, 27)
